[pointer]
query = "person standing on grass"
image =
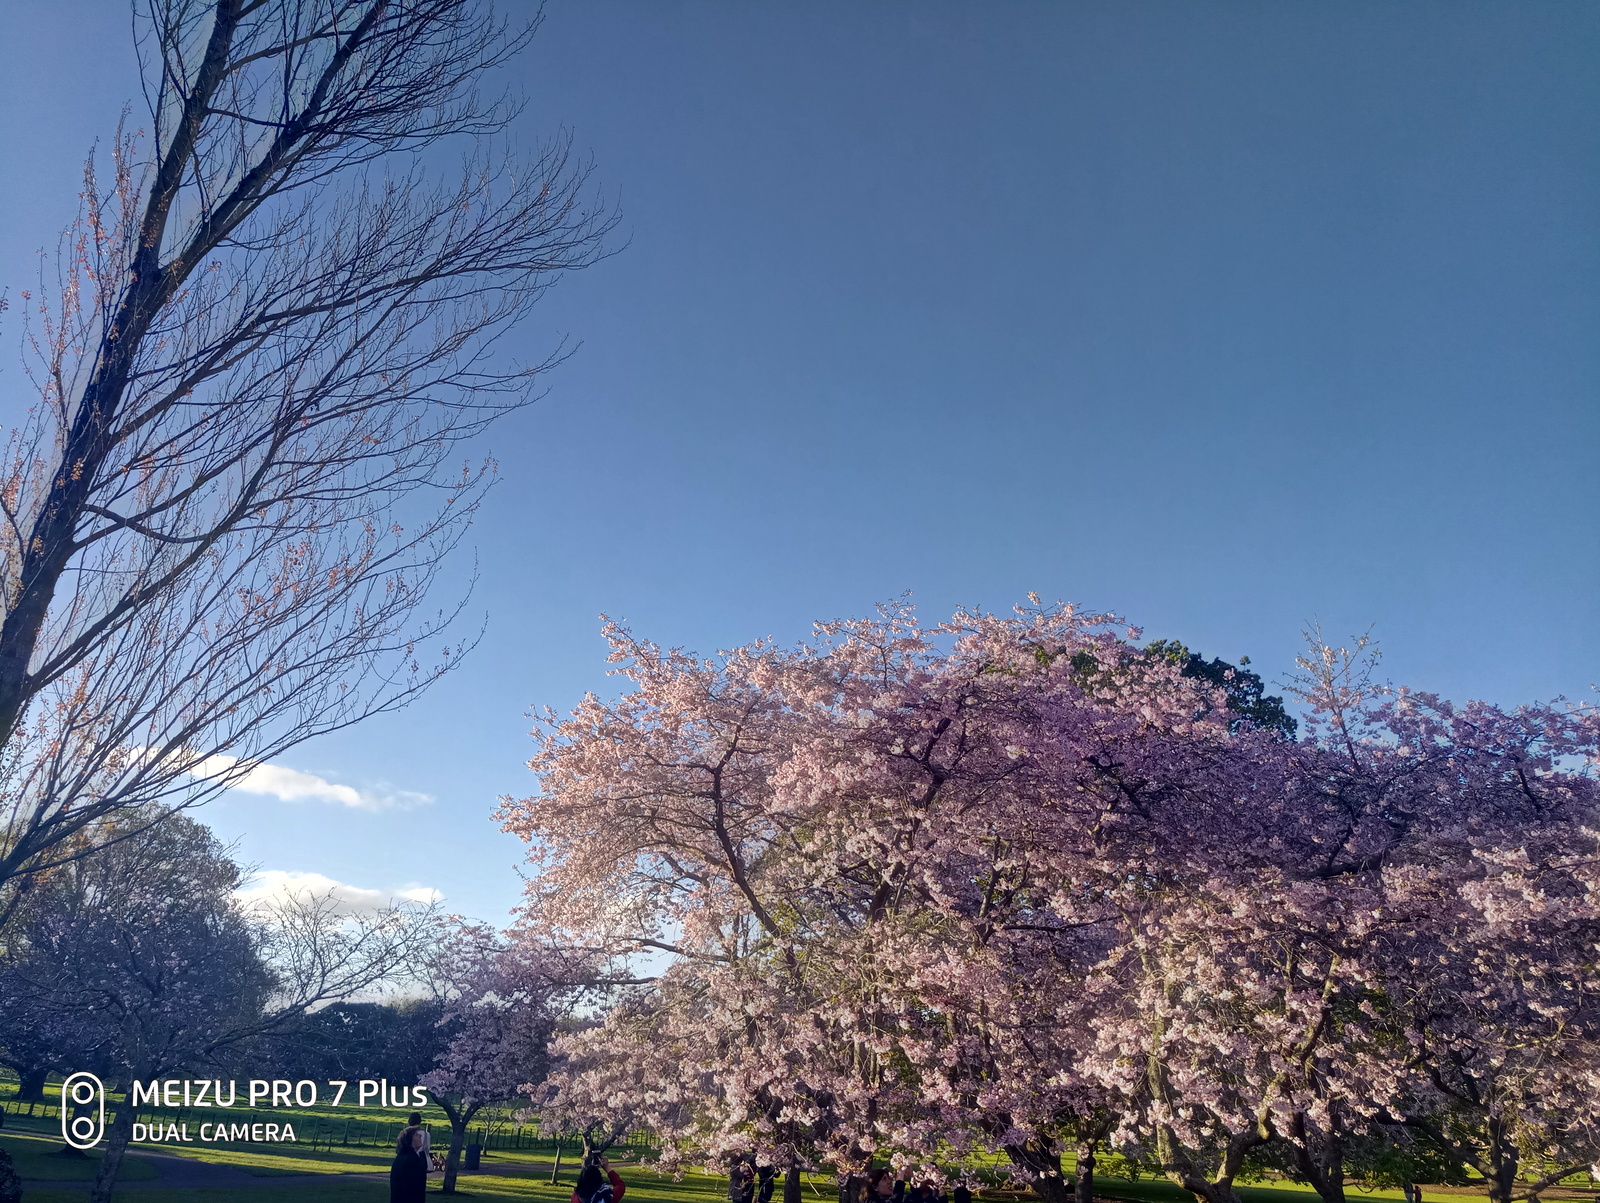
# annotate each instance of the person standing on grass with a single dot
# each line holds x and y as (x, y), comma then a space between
(597, 1183)
(426, 1148)
(604, 1176)
(741, 1182)
(408, 1181)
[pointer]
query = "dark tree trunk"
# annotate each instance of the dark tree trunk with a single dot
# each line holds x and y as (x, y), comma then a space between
(1043, 1163)
(30, 1085)
(1091, 1130)
(1204, 1189)
(459, 1118)
(1083, 1188)
(594, 1145)
(1502, 1182)
(1503, 1162)
(791, 1185)
(1324, 1170)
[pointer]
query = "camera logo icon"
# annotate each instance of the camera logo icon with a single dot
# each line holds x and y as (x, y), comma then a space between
(85, 1129)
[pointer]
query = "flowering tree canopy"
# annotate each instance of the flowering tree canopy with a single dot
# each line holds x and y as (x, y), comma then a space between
(499, 1009)
(1021, 884)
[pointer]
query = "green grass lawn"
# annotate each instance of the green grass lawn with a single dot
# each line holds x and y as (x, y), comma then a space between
(525, 1177)
(346, 1192)
(37, 1156)
(506, 1175)
(332, 1174)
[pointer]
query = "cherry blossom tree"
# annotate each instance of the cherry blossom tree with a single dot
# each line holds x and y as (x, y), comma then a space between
(1021, 884)
(501, 1001)
(817, 834)
(1490, 825)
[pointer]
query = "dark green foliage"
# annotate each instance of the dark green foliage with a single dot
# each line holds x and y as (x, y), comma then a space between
(358, 1040)
(135, 959)
(1390, 1157)
(1245, 690)
(1247, 696)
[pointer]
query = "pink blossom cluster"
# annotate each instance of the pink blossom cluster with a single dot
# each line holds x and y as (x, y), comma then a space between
(1017, 884)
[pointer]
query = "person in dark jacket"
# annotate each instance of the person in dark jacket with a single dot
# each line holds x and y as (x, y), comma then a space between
(591, 1183)
(408, 1175)
(741, 1182)
(606, 1175)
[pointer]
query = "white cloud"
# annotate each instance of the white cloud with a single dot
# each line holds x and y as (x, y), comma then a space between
(291, 785)
(270, 884)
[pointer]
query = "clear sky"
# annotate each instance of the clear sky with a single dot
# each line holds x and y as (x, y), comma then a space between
(1226, 316)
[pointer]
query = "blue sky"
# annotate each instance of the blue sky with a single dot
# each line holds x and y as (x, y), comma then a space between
(1229, 317)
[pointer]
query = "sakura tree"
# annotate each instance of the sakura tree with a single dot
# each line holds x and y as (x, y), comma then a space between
(1491, 826)
(817, 834)
(1020, 884)
(499, 1014)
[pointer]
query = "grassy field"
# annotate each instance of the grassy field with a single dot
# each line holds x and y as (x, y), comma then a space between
(321, 1168)
(331, 1176)
(38, 1157)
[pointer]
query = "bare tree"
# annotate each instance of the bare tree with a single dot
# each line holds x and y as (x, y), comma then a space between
(255, 359)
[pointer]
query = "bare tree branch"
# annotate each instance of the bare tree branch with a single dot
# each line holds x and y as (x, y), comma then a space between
(257, 359)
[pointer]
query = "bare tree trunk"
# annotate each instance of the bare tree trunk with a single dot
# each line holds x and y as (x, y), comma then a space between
(791, 1184)
(1503, 1163)
(1325, 1173)
(117, 1137)
(459, 1118)
(1091, 1129)
(258, 348)
(1181, 1171)
(595, 1144)
(555, 1169)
